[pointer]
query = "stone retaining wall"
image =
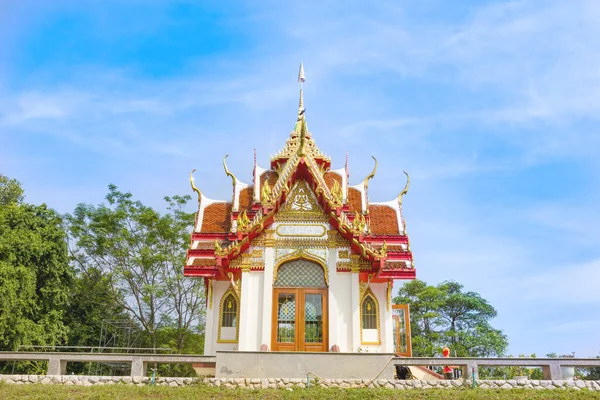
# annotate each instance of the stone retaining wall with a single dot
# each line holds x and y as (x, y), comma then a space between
(274, 383)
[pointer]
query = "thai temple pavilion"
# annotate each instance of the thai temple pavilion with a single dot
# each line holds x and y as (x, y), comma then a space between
(301, 260)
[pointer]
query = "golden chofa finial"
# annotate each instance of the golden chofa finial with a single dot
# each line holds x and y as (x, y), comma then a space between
(194, 188)
(372, 174)
(405, 191)
(232, 176)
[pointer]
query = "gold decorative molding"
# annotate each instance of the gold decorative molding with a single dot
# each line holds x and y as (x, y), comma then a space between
(345, 254)
(256, 253)
(269, 238)
(355, 263)
(321, 217)
(295, 243)
(343, 265)
(335, 240)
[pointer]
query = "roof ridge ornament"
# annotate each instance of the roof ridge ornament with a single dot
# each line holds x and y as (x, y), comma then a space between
(405, 191)
(194, 188)
(233, 178)
(372, 174)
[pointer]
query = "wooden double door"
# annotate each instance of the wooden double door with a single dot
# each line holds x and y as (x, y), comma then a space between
(299, 319)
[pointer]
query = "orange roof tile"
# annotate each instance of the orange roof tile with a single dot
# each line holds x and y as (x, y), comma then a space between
(394, 248)
(330, 177)
(273, 176)
(354, 200)
(205, 245)
(217, 218)
(383, 220)
(246, 198)
(204, 262)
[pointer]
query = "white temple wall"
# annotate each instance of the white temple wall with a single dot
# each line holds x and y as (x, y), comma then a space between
(340, 310)
(267, 296)
(355, 309)
(209, 336)
(251, 311)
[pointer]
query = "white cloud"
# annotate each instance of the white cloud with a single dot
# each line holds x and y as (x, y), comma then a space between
(569, 284)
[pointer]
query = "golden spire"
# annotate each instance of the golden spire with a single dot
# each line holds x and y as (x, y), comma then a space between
(301, 80)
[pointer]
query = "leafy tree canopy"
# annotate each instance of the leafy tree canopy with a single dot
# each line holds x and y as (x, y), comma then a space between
(142, 253)
(11, 191)
(35, 275)
(445, 315)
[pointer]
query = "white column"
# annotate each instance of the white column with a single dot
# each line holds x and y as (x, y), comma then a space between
(269, 253)
(245, 313)
(333, 309)
(355, 311)
(388, 325)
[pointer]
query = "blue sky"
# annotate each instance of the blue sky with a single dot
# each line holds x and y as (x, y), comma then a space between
(492, 107)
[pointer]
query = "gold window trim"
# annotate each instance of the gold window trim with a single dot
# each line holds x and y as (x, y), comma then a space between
(229, 291)
(369, 293)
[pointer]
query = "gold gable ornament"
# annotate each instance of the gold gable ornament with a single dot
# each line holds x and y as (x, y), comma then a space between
(301, 205)
(243, 222)
(359, 223)
(336, 193)
(265, 196)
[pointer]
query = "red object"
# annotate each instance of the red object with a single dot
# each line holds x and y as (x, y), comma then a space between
(446, 353)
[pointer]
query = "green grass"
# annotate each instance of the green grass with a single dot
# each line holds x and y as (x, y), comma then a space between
(129, 392)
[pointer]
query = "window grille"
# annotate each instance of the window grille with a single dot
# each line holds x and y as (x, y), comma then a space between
(300, 273)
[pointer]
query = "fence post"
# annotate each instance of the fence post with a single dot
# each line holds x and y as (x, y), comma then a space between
(138, 367)
(56, 366)
(552, 371)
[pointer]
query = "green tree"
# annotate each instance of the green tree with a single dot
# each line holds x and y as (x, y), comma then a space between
(11, 191)
(35, 275)
(142, 253)
(91, 303)
(445, 315)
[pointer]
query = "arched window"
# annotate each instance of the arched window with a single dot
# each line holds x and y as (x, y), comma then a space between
(369, 315)
(228, 317)
(229, 313)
